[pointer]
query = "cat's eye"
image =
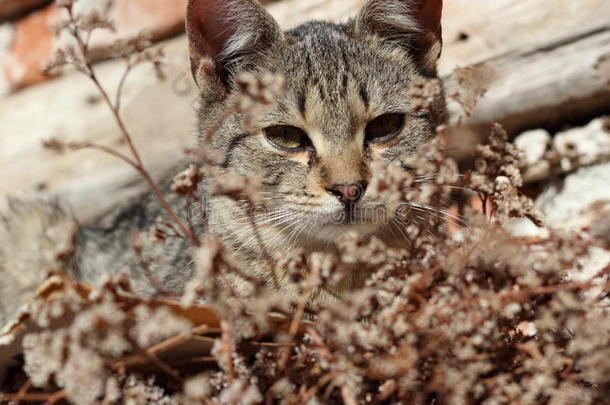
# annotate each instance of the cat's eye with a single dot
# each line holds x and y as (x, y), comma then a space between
(288, 138)
(384, 128)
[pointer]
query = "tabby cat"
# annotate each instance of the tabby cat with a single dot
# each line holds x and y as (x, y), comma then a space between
(345, 105)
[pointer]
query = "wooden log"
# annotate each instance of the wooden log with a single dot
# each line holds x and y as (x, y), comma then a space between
(160, 116)
(12, 8)
(549, 87)
(481, 30)
(544, 54)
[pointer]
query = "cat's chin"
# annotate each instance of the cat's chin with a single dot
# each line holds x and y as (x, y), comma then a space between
(333, 232)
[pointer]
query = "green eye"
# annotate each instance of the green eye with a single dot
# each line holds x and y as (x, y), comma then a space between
(288, 138)
(384, 128)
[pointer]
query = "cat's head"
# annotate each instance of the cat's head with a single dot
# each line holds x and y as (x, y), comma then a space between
(346, 102)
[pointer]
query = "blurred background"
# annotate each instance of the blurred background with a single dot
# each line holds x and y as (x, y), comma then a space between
(551, 90)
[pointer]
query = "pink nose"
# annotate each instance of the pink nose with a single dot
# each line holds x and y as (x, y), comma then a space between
(348, 193)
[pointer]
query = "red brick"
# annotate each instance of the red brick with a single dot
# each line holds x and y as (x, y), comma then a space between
(33, 44)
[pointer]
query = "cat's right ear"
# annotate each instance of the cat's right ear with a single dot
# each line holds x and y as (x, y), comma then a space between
(413, 24)
(226, 36)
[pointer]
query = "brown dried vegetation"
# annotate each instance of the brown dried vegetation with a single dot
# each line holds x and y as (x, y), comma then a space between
(474, 316)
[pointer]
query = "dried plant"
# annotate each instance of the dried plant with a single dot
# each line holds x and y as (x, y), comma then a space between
(77, 54)
(459, 315)
(424, 92)
(483, 318)
(472, 83)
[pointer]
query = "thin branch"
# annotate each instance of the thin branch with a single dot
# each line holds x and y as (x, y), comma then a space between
(55, 398)
(298, 317)
(114, 108)
(119, 91)
(174, 374)
(76, 146)
(23, 391)
(166, 345)
(32, 397)
(227, 351)
(347, 396)
(268, 259)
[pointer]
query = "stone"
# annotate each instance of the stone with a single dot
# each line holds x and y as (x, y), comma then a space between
(534, 145)
(525, 228)
(568, 199)
(584, 146)
(566, 152)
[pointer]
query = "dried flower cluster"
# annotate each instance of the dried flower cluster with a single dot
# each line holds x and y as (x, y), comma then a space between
(481, 318)
(424, 92)
(497, 178)
(472, 83)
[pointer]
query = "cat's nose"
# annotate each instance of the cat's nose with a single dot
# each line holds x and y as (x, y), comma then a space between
(348, 193)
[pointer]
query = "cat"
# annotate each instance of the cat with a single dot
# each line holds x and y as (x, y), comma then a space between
(345, 105)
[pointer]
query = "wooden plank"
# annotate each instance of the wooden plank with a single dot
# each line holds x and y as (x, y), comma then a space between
(28, 44)
(481, 30)
(545, 55)
(31, 42)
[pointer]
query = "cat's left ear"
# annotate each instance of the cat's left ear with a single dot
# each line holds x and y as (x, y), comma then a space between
(415, 24)
(226, 36)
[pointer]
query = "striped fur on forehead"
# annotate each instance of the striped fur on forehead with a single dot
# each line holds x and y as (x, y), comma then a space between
(338, 80)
